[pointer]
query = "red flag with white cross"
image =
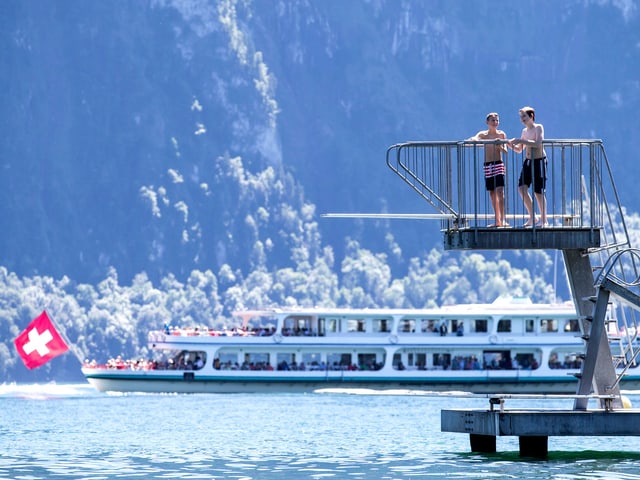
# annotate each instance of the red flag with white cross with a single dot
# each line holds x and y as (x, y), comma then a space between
(39, 342)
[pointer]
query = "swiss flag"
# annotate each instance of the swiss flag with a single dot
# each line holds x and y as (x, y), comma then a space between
(39, 342)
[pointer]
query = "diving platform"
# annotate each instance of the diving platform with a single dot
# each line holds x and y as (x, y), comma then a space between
(585, 221)
(522, 238)
(578, 198)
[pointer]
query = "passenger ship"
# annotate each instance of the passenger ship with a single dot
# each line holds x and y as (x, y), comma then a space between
(509, 346)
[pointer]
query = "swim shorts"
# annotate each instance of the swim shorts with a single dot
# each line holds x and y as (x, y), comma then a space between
(494, 175)
(537, 173)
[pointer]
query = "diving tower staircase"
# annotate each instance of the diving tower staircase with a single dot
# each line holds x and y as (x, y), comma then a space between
(586, 223)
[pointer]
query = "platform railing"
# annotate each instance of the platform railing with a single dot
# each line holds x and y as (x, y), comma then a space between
(580, 192)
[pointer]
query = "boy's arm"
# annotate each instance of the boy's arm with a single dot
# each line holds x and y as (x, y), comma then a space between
(503, 146)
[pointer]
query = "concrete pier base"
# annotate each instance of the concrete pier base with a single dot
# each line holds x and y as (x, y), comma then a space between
(534, 427)
(483, 443)
(536, 446)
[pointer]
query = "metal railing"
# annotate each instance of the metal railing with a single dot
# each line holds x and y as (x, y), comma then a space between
(580, 192)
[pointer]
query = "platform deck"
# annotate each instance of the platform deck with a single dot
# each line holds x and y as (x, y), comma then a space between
(484, 238)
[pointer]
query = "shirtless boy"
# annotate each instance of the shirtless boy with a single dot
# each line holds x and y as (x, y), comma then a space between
(494, 170)
(534, 166)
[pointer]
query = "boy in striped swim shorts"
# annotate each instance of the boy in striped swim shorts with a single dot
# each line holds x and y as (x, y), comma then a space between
(494, 168)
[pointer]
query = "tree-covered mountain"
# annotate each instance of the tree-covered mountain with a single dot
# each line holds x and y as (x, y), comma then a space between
(121, 122)
(154, 139)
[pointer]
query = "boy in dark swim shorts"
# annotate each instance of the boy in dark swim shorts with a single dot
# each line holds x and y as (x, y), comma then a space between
(536, 172)
(534, 167)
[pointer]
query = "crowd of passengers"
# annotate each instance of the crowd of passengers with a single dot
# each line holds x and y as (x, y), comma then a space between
(181, 362)
(177, 363)
(569, 362)
(225, 332)
(472, 363)
(295, 366)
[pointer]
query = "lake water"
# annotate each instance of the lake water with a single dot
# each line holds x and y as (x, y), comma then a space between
(71, 431)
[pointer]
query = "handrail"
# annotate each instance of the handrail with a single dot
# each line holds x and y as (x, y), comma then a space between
(415, 181)
(448, 175)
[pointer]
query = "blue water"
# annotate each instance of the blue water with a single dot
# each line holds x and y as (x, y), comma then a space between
(71, 431)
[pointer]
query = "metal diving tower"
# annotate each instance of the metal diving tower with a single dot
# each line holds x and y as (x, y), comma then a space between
(586, 223)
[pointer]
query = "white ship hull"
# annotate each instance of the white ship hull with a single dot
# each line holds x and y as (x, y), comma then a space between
(135, 382)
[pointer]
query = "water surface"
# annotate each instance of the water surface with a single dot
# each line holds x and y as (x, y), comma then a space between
(71, 431)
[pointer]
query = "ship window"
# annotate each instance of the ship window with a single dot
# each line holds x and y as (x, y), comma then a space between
(334, 325)
(312, 361)
(408, 326)
(321, 327)
(226, 361)
(421, 361)
(465, 362)
(480, 325)
(338, 361)
(529, 325)
(287, 361)
(381, 325)
(255, 361)
(564, 360)
(441, 361)
(356, 325)
(398, 364)
(297, 326)
(504, 325)
(428, 326)
(497, 360)
(548, 325)
(526, 361)
(457, 327)
(369, 361)
(188, 360)
(571, 325)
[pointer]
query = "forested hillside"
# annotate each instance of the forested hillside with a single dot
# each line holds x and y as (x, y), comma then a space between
(180, 152)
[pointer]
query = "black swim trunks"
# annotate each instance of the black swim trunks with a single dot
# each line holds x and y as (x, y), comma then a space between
(537, 173)
(494, 175)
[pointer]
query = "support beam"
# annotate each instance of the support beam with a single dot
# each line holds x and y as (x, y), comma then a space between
(598, 352)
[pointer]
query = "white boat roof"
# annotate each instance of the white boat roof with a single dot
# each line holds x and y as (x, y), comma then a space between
(503, 305)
